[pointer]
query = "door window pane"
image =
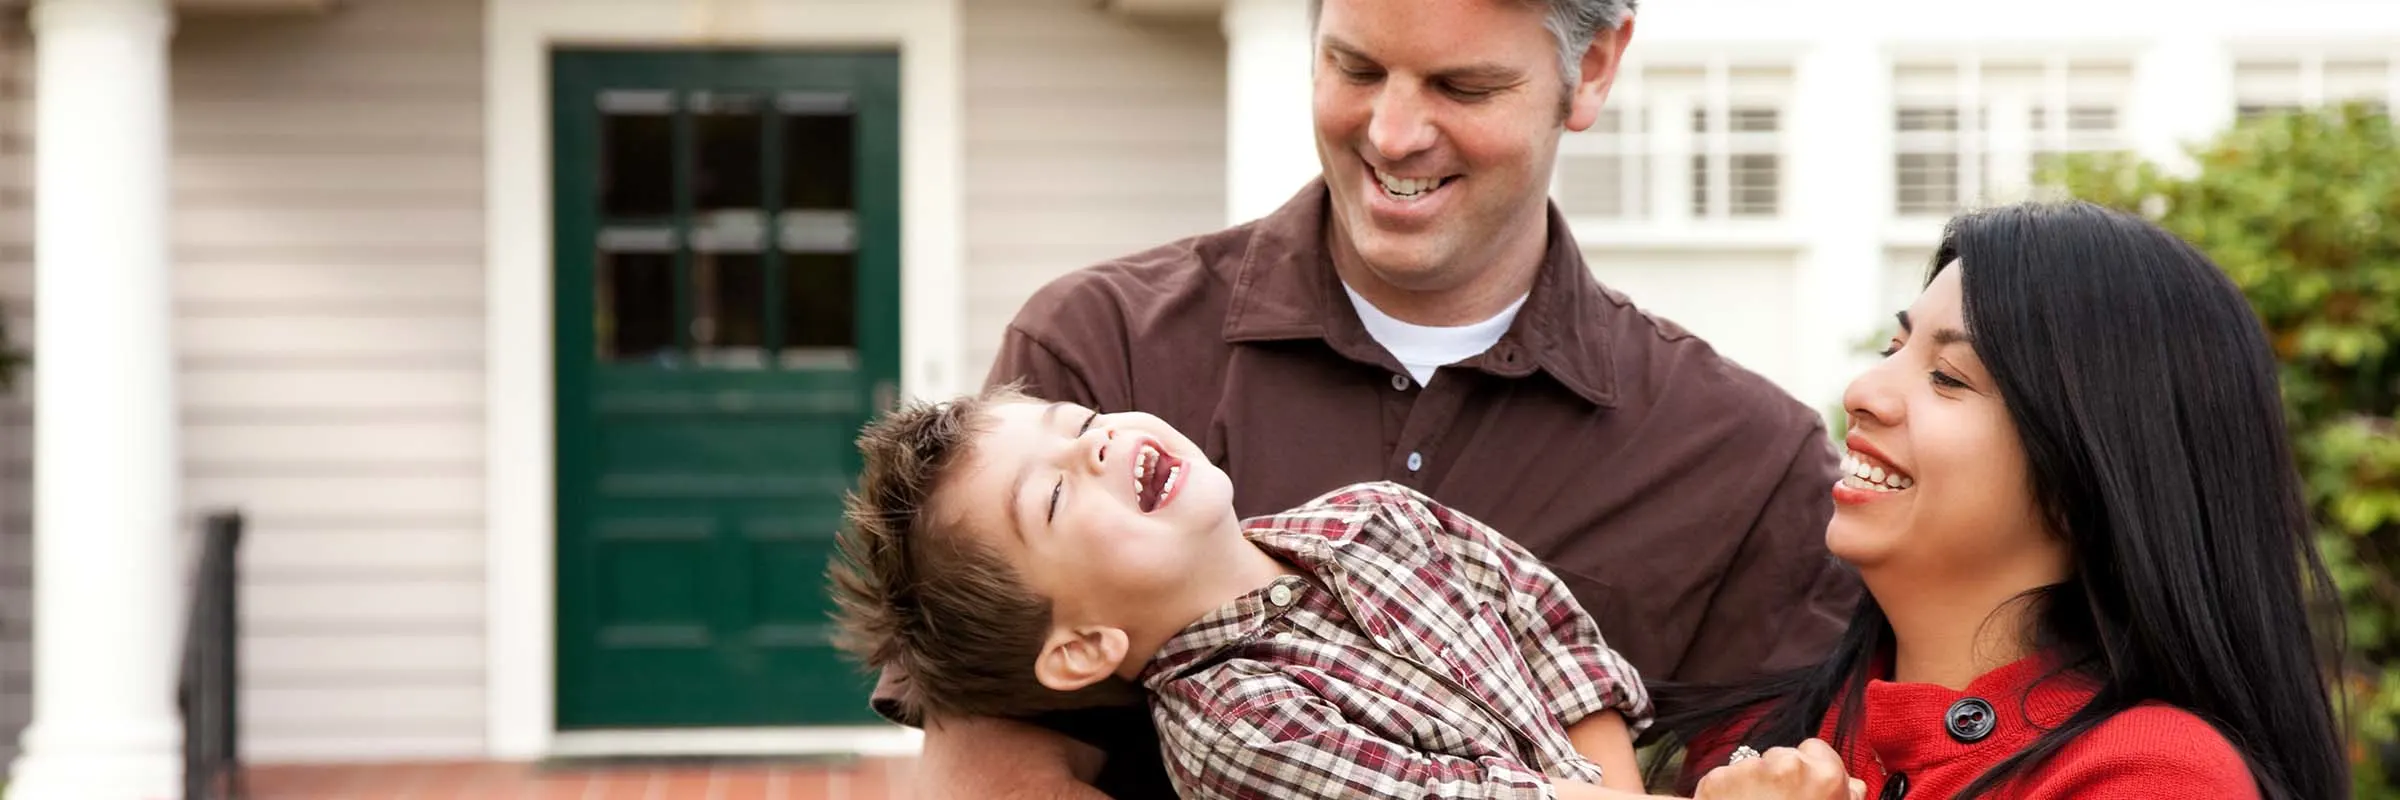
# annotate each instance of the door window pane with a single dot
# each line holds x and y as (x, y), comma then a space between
(820, 301)
(817, 155)
(637, 132)
(728, 137)
(728, 328)
(636, 308)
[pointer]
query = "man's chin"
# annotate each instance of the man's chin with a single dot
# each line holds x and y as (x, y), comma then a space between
(1408, 268)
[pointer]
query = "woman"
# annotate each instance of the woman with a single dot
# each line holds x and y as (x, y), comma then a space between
(2073, 503)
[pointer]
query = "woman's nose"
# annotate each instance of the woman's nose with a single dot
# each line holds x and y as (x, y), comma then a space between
(1871, 397)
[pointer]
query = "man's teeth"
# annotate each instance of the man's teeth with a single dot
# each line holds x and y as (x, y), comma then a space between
(1406, 187)
(1867, 475)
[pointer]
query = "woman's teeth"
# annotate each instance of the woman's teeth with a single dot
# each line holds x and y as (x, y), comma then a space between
(1859, 473)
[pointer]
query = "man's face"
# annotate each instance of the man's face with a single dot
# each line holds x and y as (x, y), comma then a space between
(1437, 125)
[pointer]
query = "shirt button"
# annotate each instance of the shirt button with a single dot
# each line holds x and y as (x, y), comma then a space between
(1970, 720)
(1399, 383)
(1280, 595)
(1416, 461)
(1282, 637)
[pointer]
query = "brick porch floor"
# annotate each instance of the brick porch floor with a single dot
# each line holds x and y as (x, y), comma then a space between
(865, 779)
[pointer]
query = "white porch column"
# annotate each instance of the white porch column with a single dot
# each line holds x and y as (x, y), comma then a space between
(106, 588)
(1270, 144)
(2183, 93)
(1842, 180)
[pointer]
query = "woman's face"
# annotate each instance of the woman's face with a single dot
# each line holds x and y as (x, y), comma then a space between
(1937, 487)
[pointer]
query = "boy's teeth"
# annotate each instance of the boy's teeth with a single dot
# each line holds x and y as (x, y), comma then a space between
(1169, 489)
(1142, 461)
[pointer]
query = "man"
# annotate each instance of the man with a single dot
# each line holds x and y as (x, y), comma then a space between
(1421, 314)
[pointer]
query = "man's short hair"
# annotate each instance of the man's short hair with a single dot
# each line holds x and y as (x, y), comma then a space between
(1571, 23)
(916, 592)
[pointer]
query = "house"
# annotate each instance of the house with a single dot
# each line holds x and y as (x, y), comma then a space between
(528, 335)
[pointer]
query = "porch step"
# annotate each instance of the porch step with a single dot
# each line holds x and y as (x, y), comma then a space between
(668, 778)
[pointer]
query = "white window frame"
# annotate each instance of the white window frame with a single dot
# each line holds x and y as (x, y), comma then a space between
(2256, 92)
(1996, 141)
(1657, 148)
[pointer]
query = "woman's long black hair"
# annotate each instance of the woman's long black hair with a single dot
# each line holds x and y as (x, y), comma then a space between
(2145, 395)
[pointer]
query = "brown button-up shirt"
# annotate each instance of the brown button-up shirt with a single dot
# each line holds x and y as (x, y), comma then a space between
(1682, 498)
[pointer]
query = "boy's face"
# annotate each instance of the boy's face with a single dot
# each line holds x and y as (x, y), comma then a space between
(1102, 513)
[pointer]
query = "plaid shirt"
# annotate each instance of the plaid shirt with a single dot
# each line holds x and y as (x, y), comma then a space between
(1421, 655)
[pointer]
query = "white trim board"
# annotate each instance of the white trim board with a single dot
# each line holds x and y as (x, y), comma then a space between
(519, 446)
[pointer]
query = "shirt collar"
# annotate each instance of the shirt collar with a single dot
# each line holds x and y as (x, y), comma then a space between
(1230, 625)
(1323, 583)
(1908, 725)
(1285, 288)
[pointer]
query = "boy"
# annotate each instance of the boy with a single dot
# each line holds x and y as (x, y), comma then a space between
(1015, 557)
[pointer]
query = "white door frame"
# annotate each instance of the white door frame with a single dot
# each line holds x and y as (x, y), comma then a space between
(520, 453)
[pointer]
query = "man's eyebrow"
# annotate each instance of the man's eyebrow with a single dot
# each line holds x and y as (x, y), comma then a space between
(1015, 509)
(1479, 71)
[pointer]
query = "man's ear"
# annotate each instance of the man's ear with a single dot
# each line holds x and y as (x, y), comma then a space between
(1599, 72)
(1079, 657)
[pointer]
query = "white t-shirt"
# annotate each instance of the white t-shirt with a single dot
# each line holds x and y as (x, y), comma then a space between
(1424, 348)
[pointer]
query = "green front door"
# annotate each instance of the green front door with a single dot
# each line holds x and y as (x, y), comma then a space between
(728, 317)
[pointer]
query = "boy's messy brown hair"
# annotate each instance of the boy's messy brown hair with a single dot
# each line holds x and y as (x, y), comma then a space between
(916, 593)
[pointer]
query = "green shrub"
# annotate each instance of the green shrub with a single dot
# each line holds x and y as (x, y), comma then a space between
(2302, 210)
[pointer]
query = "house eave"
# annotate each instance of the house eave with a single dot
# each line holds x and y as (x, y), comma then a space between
(255, 7)
(1167, 9)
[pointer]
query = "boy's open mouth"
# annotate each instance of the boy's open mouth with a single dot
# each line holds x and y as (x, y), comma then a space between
(1154, 476)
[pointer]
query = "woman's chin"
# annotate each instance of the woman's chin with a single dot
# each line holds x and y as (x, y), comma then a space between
(1854, 543)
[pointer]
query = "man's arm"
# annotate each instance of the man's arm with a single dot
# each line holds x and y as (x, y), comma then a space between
(1039, 370)
(1784, 599)
(981, 757)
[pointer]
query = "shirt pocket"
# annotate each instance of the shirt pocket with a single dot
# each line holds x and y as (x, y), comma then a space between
(1645, 637)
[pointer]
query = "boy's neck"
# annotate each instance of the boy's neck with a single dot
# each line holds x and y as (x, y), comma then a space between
(1242, 568)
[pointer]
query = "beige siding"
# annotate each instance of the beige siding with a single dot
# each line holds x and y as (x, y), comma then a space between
(16, 419)
(328, 230)
(1088, 135)
(329, 295)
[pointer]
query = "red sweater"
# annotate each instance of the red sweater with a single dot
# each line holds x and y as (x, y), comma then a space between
(1921, 740)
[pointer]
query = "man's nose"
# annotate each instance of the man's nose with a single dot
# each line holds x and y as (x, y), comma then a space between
(1402, 125)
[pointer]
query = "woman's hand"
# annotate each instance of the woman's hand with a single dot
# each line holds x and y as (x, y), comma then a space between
(1812, 771)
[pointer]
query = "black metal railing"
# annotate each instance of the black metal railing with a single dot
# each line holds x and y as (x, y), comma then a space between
(210, 693)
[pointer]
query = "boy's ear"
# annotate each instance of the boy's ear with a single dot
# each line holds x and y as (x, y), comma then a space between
(1078, 657)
